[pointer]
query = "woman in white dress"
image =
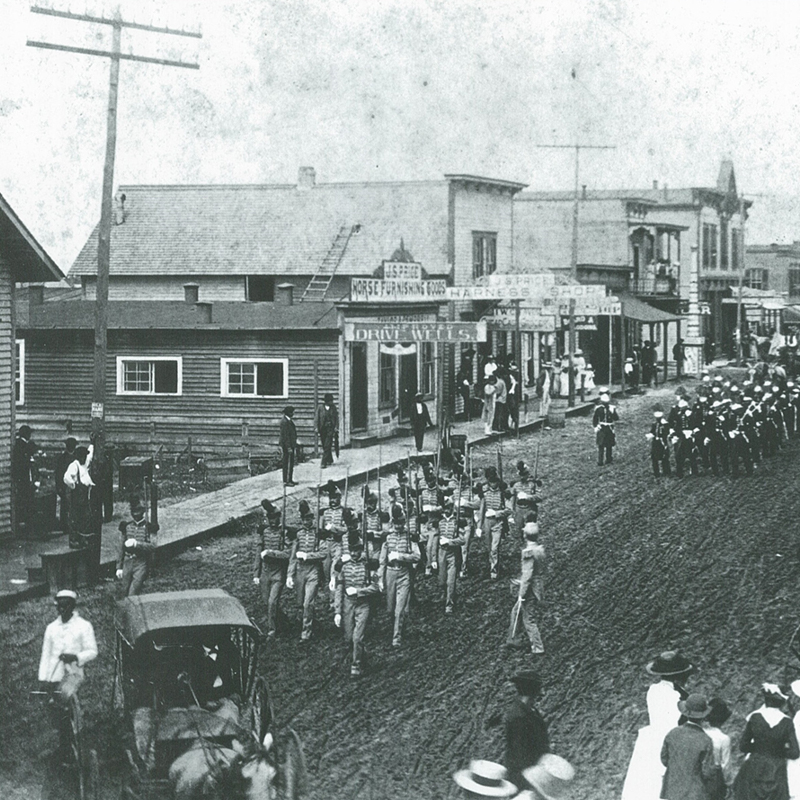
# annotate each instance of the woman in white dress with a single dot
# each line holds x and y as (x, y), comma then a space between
(645, 771)
(793, 765)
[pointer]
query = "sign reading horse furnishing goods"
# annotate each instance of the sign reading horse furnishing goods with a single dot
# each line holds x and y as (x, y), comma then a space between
(440, 331)
(374, 290)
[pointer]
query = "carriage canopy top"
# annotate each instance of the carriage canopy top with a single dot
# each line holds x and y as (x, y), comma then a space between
(193, 608)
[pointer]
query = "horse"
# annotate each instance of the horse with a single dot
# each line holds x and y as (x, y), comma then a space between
(248, 770)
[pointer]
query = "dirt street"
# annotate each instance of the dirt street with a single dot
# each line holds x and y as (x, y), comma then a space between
(637, 565)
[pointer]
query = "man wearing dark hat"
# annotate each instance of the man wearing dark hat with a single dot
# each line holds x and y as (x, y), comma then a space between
(327, 422)
(69, 644)
(398, 556)
(420, 420)
(464, 387)
(63, 460)
(659, 443)
(272, 561)
(288, 444)
(137, 544)
(23, 474)
(688, 754)
(526, 731)
(305, 566)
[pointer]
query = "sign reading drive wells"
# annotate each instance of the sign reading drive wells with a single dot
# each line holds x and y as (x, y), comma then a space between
(440, 331)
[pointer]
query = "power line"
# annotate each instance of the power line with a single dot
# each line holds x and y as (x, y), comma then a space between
(106, 210)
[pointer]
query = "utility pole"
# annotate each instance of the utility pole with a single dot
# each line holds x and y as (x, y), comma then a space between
(106, 214)
(574, 265)
(741, 267)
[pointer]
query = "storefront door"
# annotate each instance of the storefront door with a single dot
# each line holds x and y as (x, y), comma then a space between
(408, 384)
(358, 387)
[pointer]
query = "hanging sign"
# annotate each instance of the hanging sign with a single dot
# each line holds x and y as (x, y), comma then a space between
(527, 280)
(610, 307)
(402, 271)
(529, 320)
(393, 290)
(583, 322)
(439, 331)
(581, 292)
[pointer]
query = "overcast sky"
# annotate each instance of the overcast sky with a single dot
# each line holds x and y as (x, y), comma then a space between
(405, 89)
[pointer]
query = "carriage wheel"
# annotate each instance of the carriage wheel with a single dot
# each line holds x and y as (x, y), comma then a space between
(260, 709)
(76, 744)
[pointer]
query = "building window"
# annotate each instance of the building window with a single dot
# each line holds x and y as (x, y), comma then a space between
(254, 377)
(723, 243)
(260, 288)
(794, 279)
(19, 373)
(735, 250)
(387, 391)
(756, 278)
(709, 246)
(484, 253)
(158, 375)
(428, 368)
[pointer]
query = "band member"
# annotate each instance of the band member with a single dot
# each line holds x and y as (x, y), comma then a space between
(683, 423)
(605, 415)
(524, 499)
(659, 444)
(398, 555)
(272, 561)
(305, 566)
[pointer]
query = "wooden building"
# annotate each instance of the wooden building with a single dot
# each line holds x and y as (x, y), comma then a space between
(22, 260)
(221, 373)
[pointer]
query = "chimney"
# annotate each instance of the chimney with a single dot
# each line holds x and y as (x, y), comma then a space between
(583, 193)
(35, 295)
(284, 294)
(203, 312)
(306, 178)
(119, 208)
(191, 292)
(666, 194)
(655, 184)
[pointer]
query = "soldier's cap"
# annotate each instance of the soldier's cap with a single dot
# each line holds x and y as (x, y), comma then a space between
(775, 388)
(522, 468)
(371, 499)
(682, 403)
(789, 384)
(758, 389)
(271, 510)
(528, 682)
(604, 398)
(702, 399)
(767, 396)
(658, 413)
(747, 399)
(490, 474)
(448, 502)
(716, 390)
(66, 594)
(398, 515)
(734, 389)
(385, 517)
(716, 404)
(718, 377)
(725, 400)
(305, 509)
(70, 442)
(737, 407)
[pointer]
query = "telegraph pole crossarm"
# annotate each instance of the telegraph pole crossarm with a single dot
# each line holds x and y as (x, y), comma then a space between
(115, 55)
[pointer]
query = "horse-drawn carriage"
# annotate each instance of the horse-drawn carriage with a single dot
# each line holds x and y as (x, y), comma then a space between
(198, 718)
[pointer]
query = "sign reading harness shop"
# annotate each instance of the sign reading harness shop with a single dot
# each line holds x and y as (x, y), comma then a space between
(440, 331)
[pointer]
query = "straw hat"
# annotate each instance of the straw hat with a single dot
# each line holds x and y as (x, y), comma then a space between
(486, 779)
(550, 776)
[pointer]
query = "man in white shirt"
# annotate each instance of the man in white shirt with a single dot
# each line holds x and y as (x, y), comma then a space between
(68, 645)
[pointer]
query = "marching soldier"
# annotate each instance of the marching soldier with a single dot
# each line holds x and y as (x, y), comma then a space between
(429, 540)
(492, 515)
(749, 424)
(137, 545)
(398, 556)
(739, 446)
(356, 585)
(682, 423)
(659, 444)
(272, 561)
(451, 542)
(769, 427)
(717, 438)
(605, 415)
(305, 566)
(524, 499)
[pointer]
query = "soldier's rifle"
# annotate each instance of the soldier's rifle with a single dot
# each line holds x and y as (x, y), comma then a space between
(346, 487)
(499, 452)
(380, 459)
(364, 529)
(316, 519)
(283, 521)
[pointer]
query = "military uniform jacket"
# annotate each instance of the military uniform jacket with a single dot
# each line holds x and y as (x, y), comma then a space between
(452, 532)
(524, 493)
(354, 581)
(270, 550)
(307, 549)
(431, 498)
(534, 566)
(397, 553)
(143, 532)
(605, 416)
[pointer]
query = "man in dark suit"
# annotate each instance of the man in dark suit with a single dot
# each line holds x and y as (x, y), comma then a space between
(526, 731)
(420, 420)
(288, 444)
(688, 754)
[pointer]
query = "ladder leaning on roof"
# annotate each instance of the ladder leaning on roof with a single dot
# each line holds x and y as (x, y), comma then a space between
(318, 286)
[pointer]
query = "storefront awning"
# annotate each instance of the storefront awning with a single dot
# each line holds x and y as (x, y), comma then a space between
(791, 315)
(633, 308)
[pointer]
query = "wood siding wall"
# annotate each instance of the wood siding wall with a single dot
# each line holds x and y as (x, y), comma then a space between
(6, 395)
(59, 387)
